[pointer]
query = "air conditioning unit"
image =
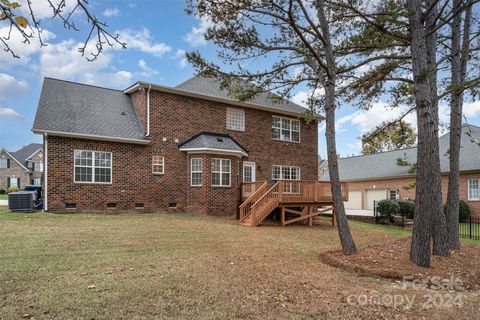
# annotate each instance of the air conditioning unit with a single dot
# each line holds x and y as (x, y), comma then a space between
(21, 201)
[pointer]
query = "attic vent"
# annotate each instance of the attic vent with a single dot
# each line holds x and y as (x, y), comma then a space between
(123, 113)
(219, 139)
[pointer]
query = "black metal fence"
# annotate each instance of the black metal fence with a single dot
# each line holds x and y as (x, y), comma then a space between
(470, 228)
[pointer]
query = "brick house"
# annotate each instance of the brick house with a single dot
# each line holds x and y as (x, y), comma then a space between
(381, 177)
(21, 168)
(156, 148)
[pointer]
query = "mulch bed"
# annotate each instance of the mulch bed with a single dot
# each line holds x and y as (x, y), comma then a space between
(392, 261)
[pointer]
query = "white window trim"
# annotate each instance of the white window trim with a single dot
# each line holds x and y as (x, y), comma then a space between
(16, 182)
(281, 167)
(192, 172)
(221, 172)
(230, 113)
(6, 163)
(468, 189)
(254, 170)
(40, 166)
(289, 119)
(93, 167)
(163, 166)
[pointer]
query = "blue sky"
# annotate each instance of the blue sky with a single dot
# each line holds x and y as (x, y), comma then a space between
(158, 33)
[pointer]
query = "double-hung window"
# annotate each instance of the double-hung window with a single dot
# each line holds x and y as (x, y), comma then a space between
(287, 173)
(285, 129)
(221, 172)
(37, 182)
(158, 165)
(473, 189)
(38, 166)
(235, 119)
(196, 172)
(14, 182)
(92, 166)
(3, 163)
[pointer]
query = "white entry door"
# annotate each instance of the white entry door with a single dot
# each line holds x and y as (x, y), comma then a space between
(248, 171)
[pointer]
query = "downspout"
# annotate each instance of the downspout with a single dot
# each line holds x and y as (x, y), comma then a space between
(45, 174)
(148, 110)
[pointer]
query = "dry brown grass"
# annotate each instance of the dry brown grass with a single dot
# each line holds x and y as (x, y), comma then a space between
(184, 267)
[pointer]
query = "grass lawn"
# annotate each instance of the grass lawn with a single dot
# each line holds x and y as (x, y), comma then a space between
(3, 196)
(135, 266)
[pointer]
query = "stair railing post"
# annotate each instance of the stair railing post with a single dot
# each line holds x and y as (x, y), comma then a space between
(280, 191)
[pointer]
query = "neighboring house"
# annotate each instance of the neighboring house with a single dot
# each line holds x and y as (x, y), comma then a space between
(152, 147)
(21, 168)
(378, 176)
(322, 167)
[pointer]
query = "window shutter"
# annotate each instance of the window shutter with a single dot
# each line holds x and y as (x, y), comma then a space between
(18, 183)
(8, 183)
(8, 163)
(33, 166)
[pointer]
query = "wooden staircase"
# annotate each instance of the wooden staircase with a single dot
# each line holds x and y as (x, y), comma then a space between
(260, 201)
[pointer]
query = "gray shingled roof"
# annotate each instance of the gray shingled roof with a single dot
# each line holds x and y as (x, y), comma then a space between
(210, 86)
(88, 110)
(384, 165)
(210, 140)
(25, 152)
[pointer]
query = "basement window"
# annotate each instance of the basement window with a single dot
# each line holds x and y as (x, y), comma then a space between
(139, 206)
(70, 205)
(112, 205)
(172, 205)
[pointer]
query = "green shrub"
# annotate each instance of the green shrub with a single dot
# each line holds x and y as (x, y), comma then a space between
(387, 209)
(463, 211)
(407, 208)
(13, 189)
(2, 191)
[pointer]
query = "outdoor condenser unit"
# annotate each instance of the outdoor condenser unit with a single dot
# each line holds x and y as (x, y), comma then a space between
(21, 201)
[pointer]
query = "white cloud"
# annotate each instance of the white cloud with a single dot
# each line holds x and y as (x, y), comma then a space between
(142, 40)
(10, 113)
(42, 8)
(62, 60)
(20, 48)
(471, 109)
(196, 37)
(146, 70)
(302, 97)
(182, 60)
(366, 120)
(111, 12)
(9, 86)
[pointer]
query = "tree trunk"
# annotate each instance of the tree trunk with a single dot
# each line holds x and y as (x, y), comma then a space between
(459, 58)
(438, 224)
(427, 201)
(346, 239)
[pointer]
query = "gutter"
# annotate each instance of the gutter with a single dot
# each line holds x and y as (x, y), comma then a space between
(45, 167)
(90, 136)
(148, 110)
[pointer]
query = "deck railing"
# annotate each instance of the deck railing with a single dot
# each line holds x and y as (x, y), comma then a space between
(299, 191)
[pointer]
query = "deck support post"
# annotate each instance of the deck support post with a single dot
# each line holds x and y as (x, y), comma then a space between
(310, 218)
(333, 217)
(282, 216)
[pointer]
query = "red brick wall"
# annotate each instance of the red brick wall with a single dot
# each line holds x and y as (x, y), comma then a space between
(400, 183)
(174, 119)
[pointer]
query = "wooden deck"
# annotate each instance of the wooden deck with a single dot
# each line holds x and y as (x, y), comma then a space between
(299, 197)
